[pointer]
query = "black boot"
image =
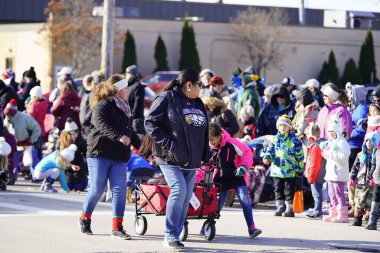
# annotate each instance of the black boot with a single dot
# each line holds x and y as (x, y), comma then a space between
(289, 209)
(357, 221)
(373, 216)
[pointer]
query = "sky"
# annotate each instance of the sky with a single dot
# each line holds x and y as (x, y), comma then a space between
(350, 5)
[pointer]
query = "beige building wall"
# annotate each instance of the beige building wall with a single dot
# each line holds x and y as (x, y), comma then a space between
(22, 43)
(307, 48)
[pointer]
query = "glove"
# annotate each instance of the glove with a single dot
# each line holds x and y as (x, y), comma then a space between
(372, 182)
(239, 172)
(334, 148)
(351, 183)
(323, 144)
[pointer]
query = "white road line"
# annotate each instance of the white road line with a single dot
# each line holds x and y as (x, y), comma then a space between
(29, 208)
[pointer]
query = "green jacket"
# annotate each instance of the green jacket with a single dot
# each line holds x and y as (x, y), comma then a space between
(251, 97)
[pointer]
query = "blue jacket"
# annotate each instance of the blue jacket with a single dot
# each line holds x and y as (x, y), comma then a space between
(48, 163)
(358, 133)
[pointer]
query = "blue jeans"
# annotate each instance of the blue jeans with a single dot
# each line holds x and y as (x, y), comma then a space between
(100, 171)
(242, 193)
(181, 184)
(316, 190)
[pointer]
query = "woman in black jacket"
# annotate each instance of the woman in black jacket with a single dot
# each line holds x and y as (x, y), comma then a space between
(108, 151)
(177, 124)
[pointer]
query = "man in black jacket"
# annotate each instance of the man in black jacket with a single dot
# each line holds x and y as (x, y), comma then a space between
(6, 94)
(135, 100)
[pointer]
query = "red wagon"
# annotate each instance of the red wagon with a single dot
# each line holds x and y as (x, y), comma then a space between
(153, 199)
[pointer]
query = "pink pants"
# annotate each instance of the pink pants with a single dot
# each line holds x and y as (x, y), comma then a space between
(336, 193)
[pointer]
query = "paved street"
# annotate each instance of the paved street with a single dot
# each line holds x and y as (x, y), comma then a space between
(31, 221)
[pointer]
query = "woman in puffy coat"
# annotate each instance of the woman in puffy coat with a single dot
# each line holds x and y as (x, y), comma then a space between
(66, 105)
(336, 101)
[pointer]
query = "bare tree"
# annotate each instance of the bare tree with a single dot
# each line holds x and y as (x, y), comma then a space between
(259, 35)
(75, 37)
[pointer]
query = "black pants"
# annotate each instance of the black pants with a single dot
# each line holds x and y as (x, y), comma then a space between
(376, 193)
(284, 188)
(352, 157)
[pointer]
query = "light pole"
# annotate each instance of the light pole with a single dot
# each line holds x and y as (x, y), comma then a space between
(108, 37)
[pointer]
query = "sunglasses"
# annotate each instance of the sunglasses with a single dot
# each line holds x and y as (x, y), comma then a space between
(72, 132)
(199, 84)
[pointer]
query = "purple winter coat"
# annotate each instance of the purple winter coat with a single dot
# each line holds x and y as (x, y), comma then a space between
(325, 114)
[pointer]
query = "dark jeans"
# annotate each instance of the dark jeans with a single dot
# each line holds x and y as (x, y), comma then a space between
(284, 188)
(376, 193)
(316, 190)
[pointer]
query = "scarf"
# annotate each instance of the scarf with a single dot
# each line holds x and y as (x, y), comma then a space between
(123, 106)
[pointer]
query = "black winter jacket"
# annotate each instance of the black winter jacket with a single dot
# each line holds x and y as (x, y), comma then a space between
(166, 126)
(6, 94)
(108, 125)
(135, 99)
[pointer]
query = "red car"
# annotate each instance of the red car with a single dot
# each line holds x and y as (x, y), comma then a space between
(159, 80)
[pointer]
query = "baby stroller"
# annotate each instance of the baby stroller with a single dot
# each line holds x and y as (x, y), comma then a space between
(153, 198)
(261, 187)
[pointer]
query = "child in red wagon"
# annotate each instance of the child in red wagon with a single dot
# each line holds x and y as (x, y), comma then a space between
(233, 159)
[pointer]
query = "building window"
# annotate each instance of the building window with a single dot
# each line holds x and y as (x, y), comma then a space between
(8, 63)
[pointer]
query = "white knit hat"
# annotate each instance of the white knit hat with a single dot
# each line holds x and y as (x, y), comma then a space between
(335, 127)
(70, 125)
(121, 84)
(207, 71)
(36, 92)
(312, 83)
(69, 152)
(284, 119)
(5, 148)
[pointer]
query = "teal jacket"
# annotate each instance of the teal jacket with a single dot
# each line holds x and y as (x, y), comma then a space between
(286, 156)
(48, 163)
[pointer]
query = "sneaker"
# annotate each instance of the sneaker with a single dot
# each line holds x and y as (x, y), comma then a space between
(176, 244)
(256, 232)
(314, 216)
(120, 234)
(85, 226)
(50, 189)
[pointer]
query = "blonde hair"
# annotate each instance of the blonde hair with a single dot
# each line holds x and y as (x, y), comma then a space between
(62, 163)
(88, 79)
(105, 89)
(215, 102)
(3, 162)
(64, 140)
(247, 109)
(67, 86)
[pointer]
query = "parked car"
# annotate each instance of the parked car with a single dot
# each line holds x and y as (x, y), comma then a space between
(159, 79)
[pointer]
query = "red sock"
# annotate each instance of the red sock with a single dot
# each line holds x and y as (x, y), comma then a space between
(253, 227)
(116, 222)
(85, 216)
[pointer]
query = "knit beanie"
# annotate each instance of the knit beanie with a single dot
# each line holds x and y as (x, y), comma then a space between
(335, 127)
(305, 97)
(69, 152)
(11, 108)
(133, 69)
(207, 71)
(36, 91)
(31, 73)
(312, 83)
(70, 125)
(284, 119)
(5, 148)
(215, 81)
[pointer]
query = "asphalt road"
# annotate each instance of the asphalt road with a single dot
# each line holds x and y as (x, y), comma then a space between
(33, 221)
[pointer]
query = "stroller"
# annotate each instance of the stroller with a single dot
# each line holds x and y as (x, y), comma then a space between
(153, 198)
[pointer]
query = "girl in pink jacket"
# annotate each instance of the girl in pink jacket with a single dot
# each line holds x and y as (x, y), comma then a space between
(233, 159)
